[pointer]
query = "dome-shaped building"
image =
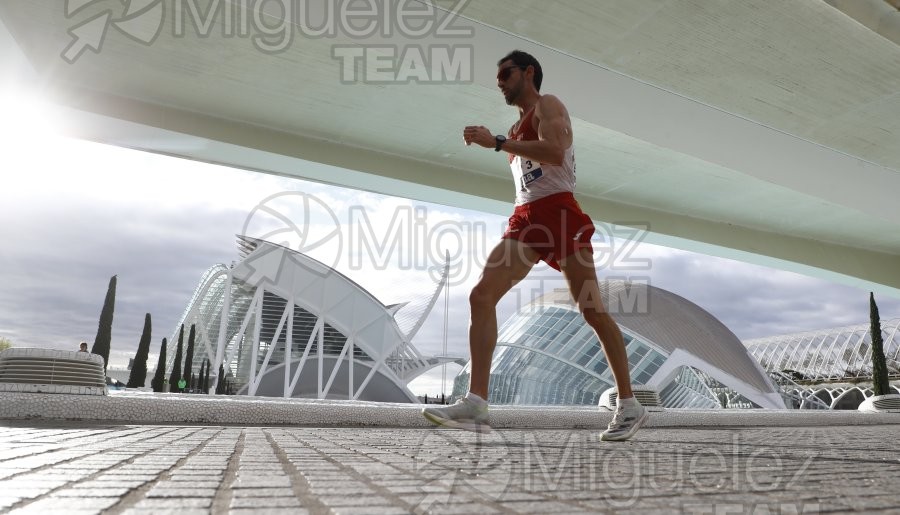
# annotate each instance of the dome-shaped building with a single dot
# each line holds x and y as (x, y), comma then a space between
(547, 354)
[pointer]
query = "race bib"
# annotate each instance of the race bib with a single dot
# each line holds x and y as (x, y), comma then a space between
(527, 170)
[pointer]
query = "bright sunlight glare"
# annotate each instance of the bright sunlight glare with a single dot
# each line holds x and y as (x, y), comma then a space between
(29, 124)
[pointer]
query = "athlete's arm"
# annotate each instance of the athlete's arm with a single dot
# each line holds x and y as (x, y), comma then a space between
(554, 130)
(551, 120)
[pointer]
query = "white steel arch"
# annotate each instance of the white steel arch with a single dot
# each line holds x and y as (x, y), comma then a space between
(280, 312)
(846, 355)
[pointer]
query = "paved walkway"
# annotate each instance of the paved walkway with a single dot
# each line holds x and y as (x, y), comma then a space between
(86, 467)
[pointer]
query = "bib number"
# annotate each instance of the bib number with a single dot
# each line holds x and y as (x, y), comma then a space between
(527, 170)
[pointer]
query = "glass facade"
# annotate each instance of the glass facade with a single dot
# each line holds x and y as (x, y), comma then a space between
(547, 355)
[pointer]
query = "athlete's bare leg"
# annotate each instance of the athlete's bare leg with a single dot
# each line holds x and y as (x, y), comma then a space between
(508, 263)
(579, 271)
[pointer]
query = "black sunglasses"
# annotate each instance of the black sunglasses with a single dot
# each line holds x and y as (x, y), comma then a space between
(505, 72)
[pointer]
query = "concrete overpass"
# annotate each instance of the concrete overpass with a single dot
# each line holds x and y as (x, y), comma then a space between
(762, 131)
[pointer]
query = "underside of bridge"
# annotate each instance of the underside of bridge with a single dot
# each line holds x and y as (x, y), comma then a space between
(757, 130)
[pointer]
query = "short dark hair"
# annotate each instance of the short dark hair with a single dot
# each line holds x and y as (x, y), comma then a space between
(524, 60)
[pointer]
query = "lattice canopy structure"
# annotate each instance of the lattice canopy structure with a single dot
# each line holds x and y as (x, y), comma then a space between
(837, 354)
(547, 354)
(286, 325)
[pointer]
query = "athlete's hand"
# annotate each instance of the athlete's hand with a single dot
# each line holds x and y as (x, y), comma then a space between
(479, 135)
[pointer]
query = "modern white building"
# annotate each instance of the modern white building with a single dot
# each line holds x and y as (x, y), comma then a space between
(829, 368)
(546, 354)
(286, 325)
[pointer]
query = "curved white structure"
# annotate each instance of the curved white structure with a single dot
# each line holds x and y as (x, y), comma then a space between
(836, 354)
(838, 361)
(546, 354)
(286, 325)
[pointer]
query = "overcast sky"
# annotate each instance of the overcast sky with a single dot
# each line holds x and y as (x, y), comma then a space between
(75, 213)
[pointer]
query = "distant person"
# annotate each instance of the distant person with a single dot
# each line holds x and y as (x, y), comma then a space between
(82, 347)
(547, 225)
(181, 385)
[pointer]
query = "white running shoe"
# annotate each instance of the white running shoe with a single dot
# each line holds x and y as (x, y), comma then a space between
(626, 421)
(464, 414)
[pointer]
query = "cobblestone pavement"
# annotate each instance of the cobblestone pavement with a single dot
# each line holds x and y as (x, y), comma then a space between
(141, 469)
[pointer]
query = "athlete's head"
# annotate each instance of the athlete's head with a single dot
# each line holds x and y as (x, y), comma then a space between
(513, 72)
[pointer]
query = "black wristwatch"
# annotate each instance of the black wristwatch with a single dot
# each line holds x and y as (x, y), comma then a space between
(500, 140)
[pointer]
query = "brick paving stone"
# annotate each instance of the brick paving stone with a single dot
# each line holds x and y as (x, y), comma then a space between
(415, 488)
(263, 492)
(370, 510)
(268, 511)
(268, 502)
(513, 497)
(6, 501)
(461, 509)
(27, 492)
(181, 492)
(111, 482)
(538, 506)
(149, 469)
(60, 504)
(211, 477)
(186, 483)
(261, 482)
(32, 481)
(126, 478)
(443, 499)
(194, 502)
(6, 472)
(367, 500)
(79, 491)
(166, 511)
(200, 472)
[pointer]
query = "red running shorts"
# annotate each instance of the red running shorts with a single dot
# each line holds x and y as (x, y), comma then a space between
(554, 226)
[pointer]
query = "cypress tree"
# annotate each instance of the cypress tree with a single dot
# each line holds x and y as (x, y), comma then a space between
(220, 381)
(176, 368)
(138, 376)
(200, 377)
(160, 375)
(881, 383)
(206, 378)
(189, 359)
(104, 329)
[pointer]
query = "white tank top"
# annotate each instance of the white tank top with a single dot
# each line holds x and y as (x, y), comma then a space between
(535, 180)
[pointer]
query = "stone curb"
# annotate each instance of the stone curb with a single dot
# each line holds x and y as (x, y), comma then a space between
(148, 408)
